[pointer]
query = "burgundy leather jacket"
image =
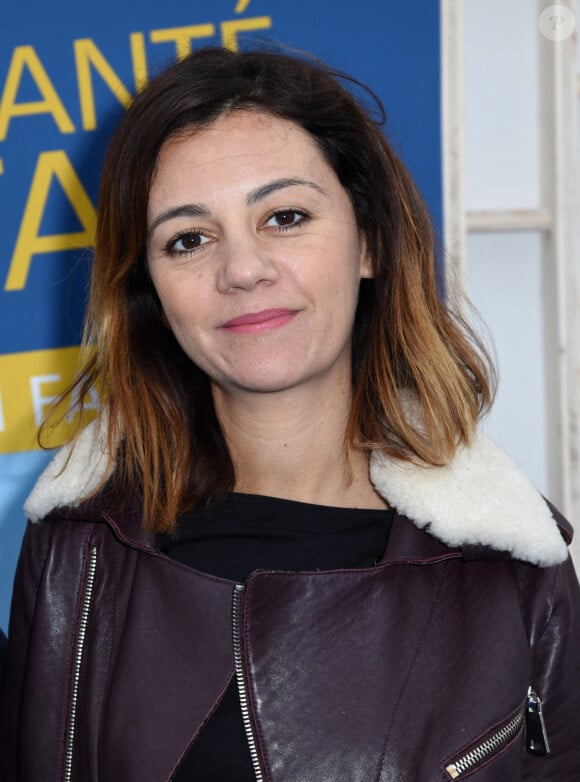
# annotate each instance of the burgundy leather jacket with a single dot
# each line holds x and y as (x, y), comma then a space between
(441, 662)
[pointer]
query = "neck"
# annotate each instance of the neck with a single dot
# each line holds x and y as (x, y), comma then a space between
(291, 445)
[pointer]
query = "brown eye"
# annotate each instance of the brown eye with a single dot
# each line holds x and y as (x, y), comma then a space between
(189, 241)
(286, 218)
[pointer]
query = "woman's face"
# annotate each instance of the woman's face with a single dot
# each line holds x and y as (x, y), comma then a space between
(255, 254)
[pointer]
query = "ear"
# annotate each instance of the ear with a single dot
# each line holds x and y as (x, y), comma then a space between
(366, 262)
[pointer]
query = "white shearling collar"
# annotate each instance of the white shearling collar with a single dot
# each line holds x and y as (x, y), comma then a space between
(70, 477)
(480, 498)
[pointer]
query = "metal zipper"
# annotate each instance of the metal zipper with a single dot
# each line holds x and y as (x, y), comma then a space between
(237, 636)
(486, 748)
(536, 734)
(77, 661)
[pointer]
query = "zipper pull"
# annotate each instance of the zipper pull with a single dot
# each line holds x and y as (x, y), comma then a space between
(536, 736)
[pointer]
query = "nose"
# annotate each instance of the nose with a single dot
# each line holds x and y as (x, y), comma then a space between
(244, 263)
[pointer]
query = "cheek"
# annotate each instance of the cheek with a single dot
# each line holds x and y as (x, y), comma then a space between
(333, 267)
(175, 312)
(179, 296)
(342, 281)
(168, 306)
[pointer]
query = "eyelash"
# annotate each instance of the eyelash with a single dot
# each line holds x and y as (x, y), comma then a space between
(171, 250)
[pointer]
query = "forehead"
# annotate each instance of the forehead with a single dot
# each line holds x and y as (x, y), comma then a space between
(238, 143)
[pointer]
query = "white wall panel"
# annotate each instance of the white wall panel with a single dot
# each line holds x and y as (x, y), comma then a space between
(505, 284)
(501, 104)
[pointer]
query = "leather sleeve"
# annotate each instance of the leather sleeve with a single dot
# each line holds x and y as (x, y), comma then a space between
(30, 565)
(556, 676)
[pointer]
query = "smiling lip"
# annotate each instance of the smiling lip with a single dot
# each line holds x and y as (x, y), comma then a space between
(256, 322)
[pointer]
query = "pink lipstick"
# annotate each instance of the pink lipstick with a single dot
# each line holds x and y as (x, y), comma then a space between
(257, 322)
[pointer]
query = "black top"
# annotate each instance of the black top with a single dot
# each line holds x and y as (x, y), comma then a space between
(247, 532)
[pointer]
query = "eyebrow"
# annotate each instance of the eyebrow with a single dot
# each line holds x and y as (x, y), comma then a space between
(253, 197)
(279, 184)
(185, 210)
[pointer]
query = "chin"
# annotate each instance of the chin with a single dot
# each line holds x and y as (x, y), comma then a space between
(261, 381)
(268, 377)
(265, 385)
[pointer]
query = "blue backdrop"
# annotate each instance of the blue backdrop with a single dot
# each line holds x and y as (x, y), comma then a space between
(67, 70)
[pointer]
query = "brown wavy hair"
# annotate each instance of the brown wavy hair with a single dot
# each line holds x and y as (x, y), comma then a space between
(165, 441)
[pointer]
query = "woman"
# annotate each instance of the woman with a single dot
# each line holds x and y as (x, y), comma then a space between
(213, 584)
